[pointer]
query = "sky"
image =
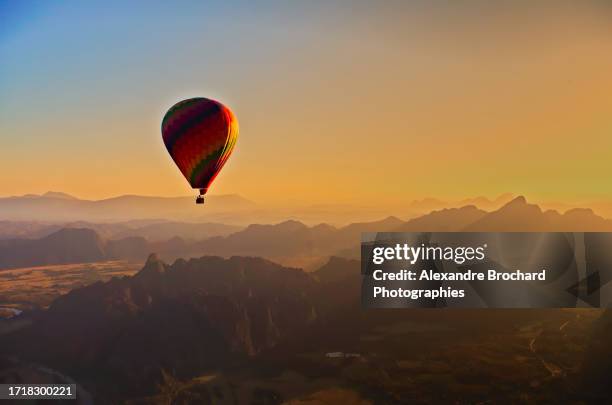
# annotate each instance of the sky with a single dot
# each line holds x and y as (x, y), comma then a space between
(338, 101)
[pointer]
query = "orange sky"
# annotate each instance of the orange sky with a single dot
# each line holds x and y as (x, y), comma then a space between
(336, 103)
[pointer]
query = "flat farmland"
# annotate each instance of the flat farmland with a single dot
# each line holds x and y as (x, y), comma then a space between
(36, 287)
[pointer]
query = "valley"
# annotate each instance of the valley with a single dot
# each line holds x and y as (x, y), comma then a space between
(36, 287)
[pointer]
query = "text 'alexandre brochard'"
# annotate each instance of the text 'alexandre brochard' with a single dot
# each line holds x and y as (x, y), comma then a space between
(414, 264)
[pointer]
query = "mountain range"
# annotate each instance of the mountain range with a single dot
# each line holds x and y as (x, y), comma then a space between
(189, 316)
(152, 230)
(56, 207)
(289, 243)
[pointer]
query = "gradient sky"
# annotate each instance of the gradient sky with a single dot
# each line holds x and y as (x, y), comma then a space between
(337, 101)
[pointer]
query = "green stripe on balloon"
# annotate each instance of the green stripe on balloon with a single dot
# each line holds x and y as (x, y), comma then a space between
(202, 165)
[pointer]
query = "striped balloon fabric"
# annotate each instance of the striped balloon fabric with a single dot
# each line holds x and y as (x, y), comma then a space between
(200, 135)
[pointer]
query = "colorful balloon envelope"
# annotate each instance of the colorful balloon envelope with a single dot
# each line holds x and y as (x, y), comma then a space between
(200, 135)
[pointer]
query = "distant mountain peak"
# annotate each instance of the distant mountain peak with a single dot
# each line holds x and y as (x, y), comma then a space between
(291, 222)
(392, 219)
(519, 200)
(580, 211)
(288, 225)
(518, 204)
(324, 227)
(516, 215)
(57, 194)
(153, 258)
(152, 267)
(83, 233)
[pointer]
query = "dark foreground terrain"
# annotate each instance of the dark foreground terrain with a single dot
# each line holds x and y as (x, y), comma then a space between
(248, 331)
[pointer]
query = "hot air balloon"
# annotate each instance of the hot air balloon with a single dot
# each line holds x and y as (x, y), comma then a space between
(200, 135)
